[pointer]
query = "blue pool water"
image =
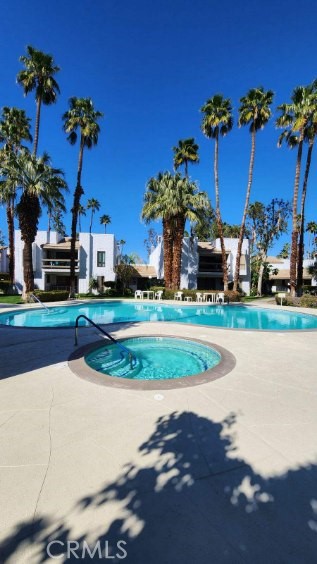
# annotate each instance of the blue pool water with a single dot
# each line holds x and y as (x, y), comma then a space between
(229, 316)
(156, 358)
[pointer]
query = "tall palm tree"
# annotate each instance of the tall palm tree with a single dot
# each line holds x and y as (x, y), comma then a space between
(38, 75)
(105, 220)
(40, 184)
(174, 199)
(254, 111)
(82, 119)
(14, 128)
(185, 152)
(310, 136)
(311, 228)
(81, 213)
(156, 206)
(295, 118)
(217, 121)
(94, 206)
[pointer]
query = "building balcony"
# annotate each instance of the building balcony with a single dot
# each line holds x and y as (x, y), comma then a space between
(58, 265)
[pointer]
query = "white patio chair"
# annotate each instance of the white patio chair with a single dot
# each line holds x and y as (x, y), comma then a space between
(199, 297)
(138, 294)
(158, 295)
(178, 296)
(220, 298)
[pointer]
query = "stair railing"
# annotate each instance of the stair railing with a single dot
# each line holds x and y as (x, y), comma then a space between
(130, 354)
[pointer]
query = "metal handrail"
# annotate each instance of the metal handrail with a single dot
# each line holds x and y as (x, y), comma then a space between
(131, 356)
(39, 301)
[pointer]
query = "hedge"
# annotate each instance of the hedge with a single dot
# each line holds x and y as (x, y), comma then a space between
(305, 301)
(51, 296)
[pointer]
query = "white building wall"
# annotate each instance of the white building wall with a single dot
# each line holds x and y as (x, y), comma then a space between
(156, 259)
(90, 245)
(245, 271)
(189, 263)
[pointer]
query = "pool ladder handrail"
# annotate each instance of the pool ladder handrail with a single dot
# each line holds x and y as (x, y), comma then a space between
(39, 301)
(130, 354)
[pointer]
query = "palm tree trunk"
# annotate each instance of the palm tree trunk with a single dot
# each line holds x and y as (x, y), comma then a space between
(28, 273)
(77, 195)
(261, 272)
(245, 211)
(10, 221)
(177, 251)
(168, 252)
(29, 212)
(92, 215)
(218, 218)
(300, 257)
(293, 259)
(37, 125)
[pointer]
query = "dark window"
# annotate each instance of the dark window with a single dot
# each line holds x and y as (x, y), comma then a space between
(101, 258)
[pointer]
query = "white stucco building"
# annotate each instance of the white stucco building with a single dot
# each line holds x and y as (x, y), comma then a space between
(202, 263)
(96, 258)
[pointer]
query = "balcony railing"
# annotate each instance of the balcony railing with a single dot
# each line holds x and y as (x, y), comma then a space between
(58, 264)
(210, 268)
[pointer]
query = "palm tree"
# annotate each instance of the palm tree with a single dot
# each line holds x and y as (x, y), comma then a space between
(156, 206)
(311, 228)
(254, 111)
(173, 199)
(94, 206)
(83, 118)
(38, 75)
(185, 152)
(295, 118)
(105, 220)
(217, 121)
(81, 213)
(40, 183)
(310, 135)
(14, 128)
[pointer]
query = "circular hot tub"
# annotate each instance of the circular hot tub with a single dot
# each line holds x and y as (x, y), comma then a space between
(152, 362)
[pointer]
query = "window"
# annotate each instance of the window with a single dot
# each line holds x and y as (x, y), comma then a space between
(101, 258)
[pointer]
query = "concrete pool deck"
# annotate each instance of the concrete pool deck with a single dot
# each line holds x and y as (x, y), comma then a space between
(222, 472)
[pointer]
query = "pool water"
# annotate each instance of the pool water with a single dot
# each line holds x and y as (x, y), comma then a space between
(156, 358)
(214, 315)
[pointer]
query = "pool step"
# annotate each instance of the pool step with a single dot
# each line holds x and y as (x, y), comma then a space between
(120, 366)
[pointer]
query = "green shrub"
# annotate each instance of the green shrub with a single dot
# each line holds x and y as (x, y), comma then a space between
(308, 301)
(233, 296)
(51, 296)
(288, 300)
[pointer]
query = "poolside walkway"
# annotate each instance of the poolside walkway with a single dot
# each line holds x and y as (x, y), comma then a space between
(225, 472)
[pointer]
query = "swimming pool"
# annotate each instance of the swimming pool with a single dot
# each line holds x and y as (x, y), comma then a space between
(227, 316)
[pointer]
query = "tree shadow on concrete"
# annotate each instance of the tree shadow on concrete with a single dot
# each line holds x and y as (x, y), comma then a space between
(190, 499)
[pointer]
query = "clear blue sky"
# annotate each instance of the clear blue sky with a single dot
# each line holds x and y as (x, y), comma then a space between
(150, 66)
